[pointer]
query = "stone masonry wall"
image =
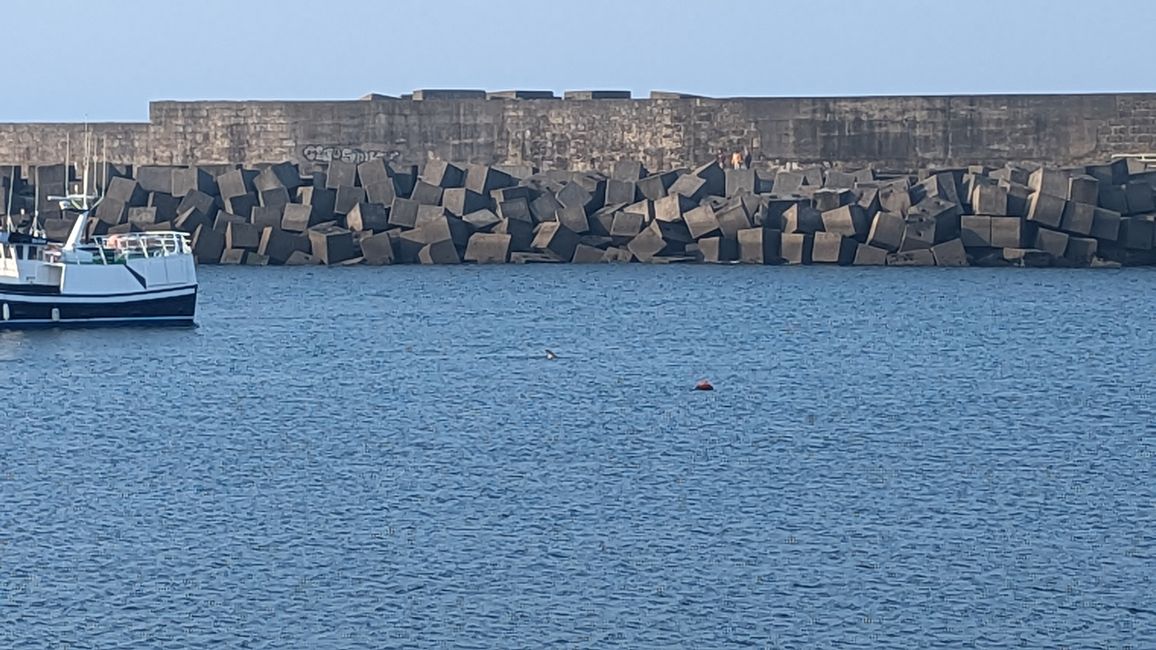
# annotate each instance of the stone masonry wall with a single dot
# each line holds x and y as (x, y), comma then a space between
(902, 133)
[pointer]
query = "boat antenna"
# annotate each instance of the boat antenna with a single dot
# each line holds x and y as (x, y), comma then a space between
(8, 207)
(84, 175)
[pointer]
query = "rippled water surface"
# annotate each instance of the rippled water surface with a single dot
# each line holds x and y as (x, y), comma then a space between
(349, 458)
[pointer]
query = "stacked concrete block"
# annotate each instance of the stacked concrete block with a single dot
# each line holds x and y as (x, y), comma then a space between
(374, 213)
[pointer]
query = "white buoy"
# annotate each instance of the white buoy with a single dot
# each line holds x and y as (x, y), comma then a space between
(55, 314)
(7, 314)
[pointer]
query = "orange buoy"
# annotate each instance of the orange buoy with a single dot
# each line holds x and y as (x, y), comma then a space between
(703, 384)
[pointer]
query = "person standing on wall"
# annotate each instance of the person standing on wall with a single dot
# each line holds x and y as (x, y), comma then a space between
(737, 160)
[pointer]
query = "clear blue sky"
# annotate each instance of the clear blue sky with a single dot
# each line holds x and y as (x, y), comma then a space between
(117, 56)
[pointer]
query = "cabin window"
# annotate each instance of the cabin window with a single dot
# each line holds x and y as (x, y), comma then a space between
(19, 252)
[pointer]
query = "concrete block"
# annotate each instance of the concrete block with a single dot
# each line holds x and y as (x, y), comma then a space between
(1027, 257)
(574, 218)
(648, 244)
(1050, 181)
(691, 186)
(1083, 188)
(517, 209)
(716, 179)
(739, 181)
(655, 187)
(990, 200)
(490, 248)
(825, 200)
(242, 236)
(886, 232)
(1114, 198)
(242, 205)
(263, 216)
(332, 245)
(299, 258)
(949, 253)
(1113, 173)
(297, 218)
(832, 248)
(585, 95)
(155, 178)
(584, 254)
(919, 257)
(377, 249)
(628, 170)
(627, 224)
(1046, 210)
(322, 201)
(715, 250)
(374, 172)
(443, 174)
(442, 227)
(127, 191)
(188, 220)
(208, 244)
(545, 208)
(760, 246)
(142, 216)
(895, 199)
(380, 193)
(165, 205)
(1053, 242)
(1018, 198)
(521, 234)
(460, 201)
(233, 257)
(1011, 232)
(797, 248)
(732, 219)
(839, 180)
(255, 259)
(1140, 198)
(403, 213)
(614, 255)
(941, 185)
(274, 198)
(111, 211)
(671, 208)
(1081, 250)
(701, 222)
(482, 220)
(556, 239)
(236, 182)
(848, 221)
(1078, 218)
(975, 231)
(942, 213)
(340, 174)
(443, 252)
(1105, 224)
(427, 193)
(277, 245)
(802, 218)
(368, 216)
(621, 191)
(347, 198)
(503, 194)
(869, 256)
(1135, 233)
(788, 182)
(276, 177)
(574, 195)
(482, 179)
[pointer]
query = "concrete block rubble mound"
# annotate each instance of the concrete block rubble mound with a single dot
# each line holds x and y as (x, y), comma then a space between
(1101, 215)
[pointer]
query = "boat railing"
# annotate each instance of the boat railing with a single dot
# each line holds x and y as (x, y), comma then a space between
(122, 247)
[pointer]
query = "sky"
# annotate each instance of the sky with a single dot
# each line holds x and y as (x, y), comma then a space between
(113, 57)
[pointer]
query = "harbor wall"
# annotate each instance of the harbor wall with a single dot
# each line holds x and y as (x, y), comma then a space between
(902, 133)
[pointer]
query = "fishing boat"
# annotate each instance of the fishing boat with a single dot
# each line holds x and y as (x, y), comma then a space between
(146, 278)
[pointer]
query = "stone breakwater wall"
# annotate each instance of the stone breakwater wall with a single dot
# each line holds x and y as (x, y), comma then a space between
(376, 213)
(593, 130)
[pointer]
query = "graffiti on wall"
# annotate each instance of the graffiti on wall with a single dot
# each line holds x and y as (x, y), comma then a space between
(329, 153)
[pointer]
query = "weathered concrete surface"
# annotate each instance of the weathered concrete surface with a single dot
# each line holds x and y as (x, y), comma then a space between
(902, 133)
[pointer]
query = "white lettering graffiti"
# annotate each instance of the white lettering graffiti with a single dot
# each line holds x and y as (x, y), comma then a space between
(329, 153)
